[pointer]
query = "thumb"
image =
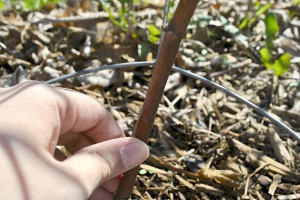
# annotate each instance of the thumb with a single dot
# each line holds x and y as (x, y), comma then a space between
(101, 162)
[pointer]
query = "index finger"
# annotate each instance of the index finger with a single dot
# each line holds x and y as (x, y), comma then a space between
(81, 113)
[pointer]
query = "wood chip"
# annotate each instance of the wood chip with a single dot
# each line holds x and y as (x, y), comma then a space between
(275, 183)
(281, 152)
(258, 158)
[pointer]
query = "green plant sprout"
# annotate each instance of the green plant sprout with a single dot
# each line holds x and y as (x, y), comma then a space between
(248, 21)
(281, 64)
(269, 55)
(2, 5)
(125, 13)
(153, 34)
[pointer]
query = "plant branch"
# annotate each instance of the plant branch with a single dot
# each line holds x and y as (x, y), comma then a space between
(172, 37)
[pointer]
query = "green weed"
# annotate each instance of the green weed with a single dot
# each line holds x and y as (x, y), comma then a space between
(125, 15)
(280, 64)
(269, 54)
(248, 21)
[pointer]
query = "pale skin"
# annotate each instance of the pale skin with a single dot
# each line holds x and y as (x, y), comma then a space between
(34, 118)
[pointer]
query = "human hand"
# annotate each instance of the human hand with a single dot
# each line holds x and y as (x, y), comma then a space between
(34, 118)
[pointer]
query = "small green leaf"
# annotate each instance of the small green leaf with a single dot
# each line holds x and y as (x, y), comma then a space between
(266, 57)
(282, 64)
(260, 11)
(263, 9)
(154, 33)
(153, 30)
(110, 15)
(2, 5)
(153, 39)
(271, 29)
(143, 172)
(251, 21)
(244, 23)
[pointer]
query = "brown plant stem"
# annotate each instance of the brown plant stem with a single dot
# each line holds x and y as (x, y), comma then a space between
(172, 37)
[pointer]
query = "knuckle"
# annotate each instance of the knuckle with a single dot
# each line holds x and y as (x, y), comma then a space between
(39, 96)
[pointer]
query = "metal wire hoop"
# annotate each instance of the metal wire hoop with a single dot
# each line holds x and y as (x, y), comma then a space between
(189, 74)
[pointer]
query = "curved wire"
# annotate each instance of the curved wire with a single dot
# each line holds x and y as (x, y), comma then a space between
(190, 75)
(241, 99)
(105, 67)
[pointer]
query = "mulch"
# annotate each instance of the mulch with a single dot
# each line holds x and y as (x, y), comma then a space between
(204, 144)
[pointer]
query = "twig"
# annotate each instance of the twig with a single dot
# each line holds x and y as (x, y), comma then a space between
(256, 157)
(164, 164)
(239, 65)
(251, 175)
(172, 37)
(79, 18)
(288, 196)
(87, 17)
(200, 187)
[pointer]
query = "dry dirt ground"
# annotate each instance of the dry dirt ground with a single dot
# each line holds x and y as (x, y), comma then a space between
(204, 144)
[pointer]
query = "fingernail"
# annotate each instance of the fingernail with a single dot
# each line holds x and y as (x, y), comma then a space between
(134, 154)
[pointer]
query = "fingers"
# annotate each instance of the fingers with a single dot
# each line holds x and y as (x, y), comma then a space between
(81, 113)
(112, 185)
(75, 141)
(101, 193)
(101, 162)
(51, 112)
(85, 122)
(106, 190)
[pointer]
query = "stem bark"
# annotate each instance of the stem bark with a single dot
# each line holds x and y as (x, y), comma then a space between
(172, 37)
